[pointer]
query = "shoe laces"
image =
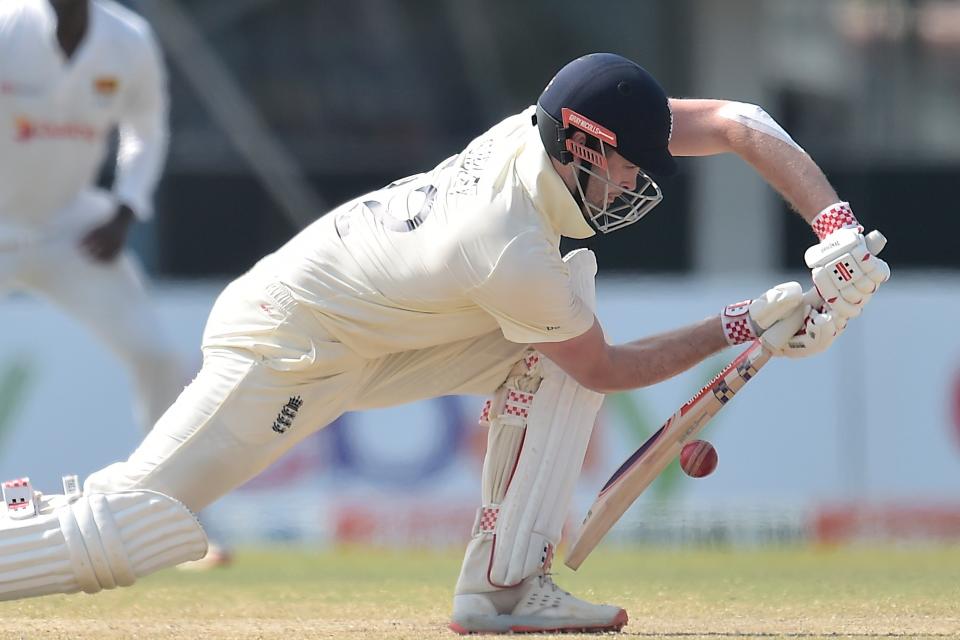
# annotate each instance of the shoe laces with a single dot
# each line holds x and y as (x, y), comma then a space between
(546, 579)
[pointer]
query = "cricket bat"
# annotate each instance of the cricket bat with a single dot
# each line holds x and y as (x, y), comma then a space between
(640, 469)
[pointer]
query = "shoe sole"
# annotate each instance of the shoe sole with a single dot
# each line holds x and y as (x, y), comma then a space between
(503, 625)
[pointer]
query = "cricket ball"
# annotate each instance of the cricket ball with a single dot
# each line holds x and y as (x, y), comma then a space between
(698, 458)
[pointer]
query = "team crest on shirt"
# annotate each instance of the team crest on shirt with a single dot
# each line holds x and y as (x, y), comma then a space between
(105, 86)
(287, 413)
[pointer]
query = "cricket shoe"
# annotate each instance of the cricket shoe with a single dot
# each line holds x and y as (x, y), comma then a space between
(536, 605)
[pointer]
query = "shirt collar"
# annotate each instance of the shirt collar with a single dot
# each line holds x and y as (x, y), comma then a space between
(550, 195)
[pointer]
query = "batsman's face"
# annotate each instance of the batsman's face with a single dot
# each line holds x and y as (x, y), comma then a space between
(621, 175)
(616, 192)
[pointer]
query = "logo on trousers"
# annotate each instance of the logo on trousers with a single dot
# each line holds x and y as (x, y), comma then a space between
(287, 413)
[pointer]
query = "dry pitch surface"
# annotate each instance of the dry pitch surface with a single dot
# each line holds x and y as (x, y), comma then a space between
(359, 594)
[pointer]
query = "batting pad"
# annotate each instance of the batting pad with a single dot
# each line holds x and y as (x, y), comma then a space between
(559, 419)
(95, 542)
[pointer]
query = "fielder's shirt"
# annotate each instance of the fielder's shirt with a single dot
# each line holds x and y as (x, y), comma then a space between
(56, 114)
(470, 247)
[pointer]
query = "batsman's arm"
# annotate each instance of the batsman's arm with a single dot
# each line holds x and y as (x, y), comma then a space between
(711, 127)
(609, 368)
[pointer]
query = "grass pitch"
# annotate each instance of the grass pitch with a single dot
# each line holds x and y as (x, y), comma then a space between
(362, 593)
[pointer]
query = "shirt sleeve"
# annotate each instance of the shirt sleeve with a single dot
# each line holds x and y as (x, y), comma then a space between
(143, 129)
(530, 294)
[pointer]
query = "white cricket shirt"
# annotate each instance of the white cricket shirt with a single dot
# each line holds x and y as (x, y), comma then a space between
(455, 253)
(56, 114)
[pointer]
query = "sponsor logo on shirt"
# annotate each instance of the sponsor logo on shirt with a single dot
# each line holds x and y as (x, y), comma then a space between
(27, 130)
(9, 88)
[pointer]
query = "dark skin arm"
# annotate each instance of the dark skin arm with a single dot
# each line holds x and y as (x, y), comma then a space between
(105, 242)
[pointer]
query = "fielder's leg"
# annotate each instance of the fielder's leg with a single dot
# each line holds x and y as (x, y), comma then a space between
(109, 299)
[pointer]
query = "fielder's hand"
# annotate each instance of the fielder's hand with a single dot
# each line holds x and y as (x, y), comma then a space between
(106, 241)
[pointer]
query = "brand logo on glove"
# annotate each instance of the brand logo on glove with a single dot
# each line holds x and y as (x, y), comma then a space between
(842, 271)
(737, 308)
(287, 413)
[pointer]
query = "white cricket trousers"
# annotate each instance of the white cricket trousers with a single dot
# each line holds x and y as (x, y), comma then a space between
(109, 299)
(271, 376)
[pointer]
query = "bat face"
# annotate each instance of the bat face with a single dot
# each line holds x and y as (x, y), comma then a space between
(633, 458)
(646, 463)
(745, 367)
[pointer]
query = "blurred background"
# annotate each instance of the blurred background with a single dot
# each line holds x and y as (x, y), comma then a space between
(330, 99)
(282, 109)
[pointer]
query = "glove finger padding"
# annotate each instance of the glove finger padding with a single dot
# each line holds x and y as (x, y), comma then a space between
(813, 332)
(777, 336)
(845, 271)
(849, 306)
(775, 304)
(745, 321)
(876, 269)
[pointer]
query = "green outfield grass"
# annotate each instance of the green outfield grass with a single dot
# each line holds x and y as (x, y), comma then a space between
(362, 593)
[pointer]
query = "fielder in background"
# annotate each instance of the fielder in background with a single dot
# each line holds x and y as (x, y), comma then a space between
(72, 72)
(451, 282)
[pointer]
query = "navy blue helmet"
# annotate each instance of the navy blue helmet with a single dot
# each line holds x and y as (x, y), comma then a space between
(620, 107)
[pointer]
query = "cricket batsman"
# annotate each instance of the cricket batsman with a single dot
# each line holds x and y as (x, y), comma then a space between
(451, 282)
